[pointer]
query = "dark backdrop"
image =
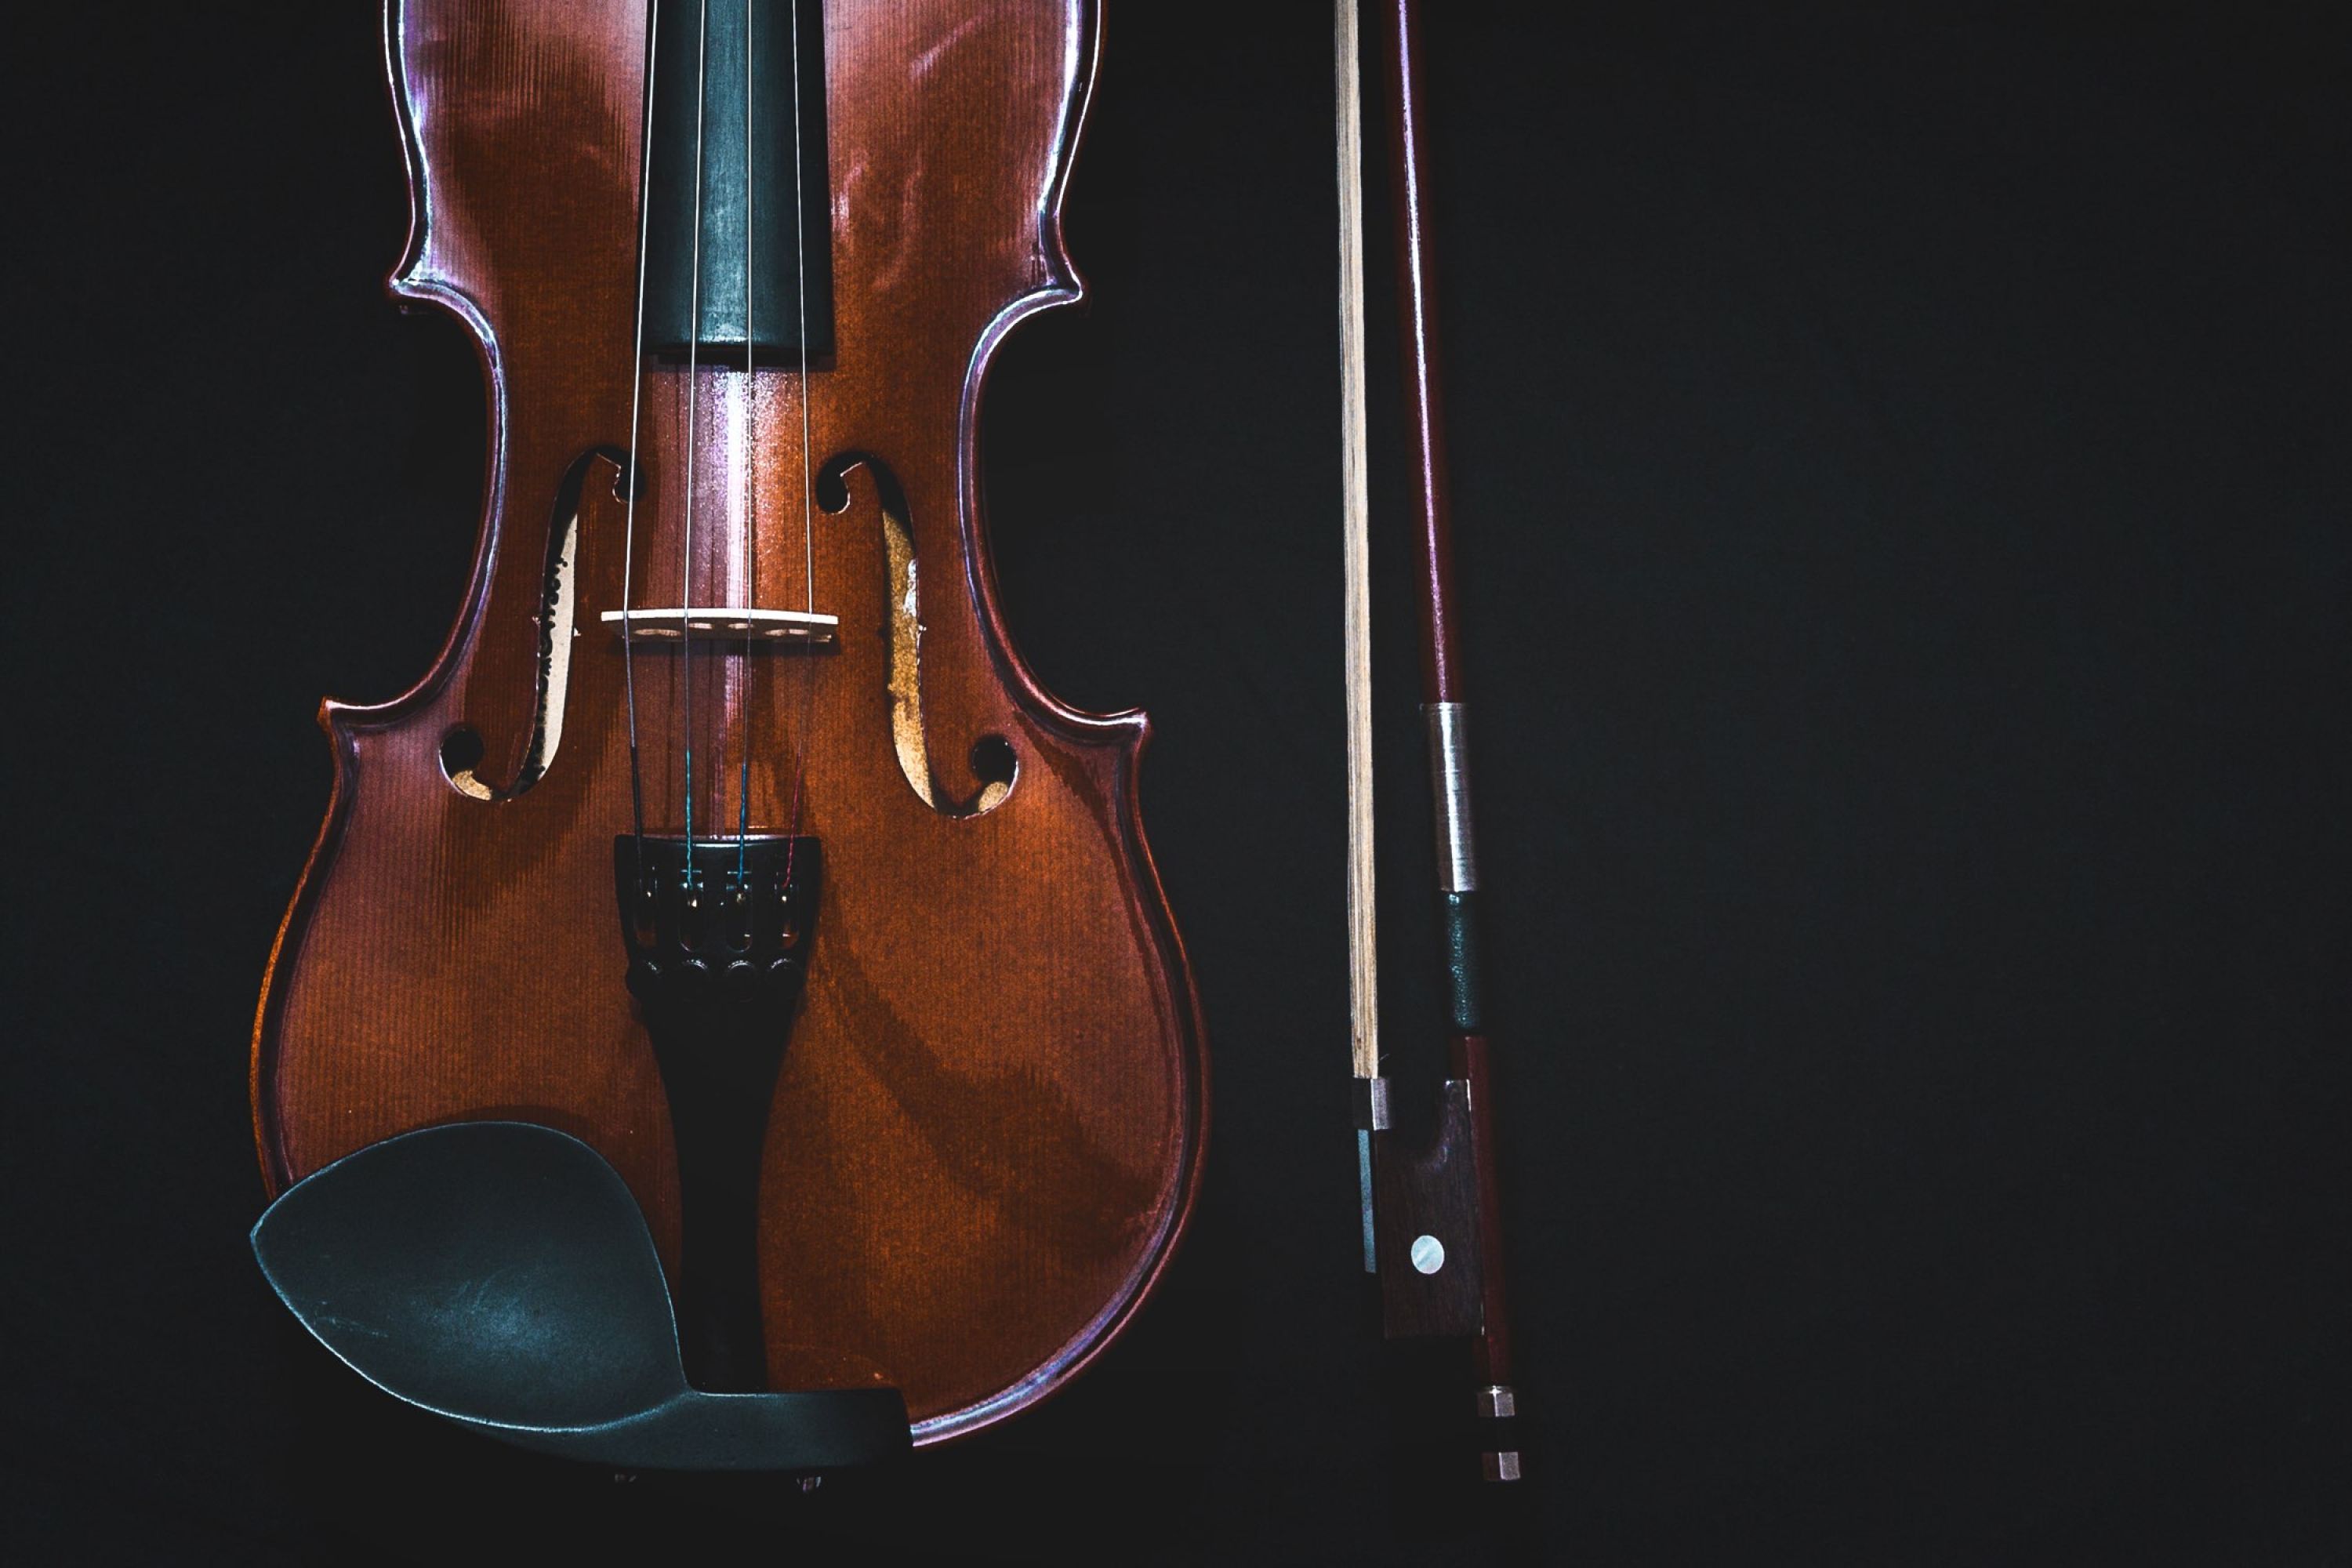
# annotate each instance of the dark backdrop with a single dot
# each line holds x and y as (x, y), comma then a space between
(1902, 474)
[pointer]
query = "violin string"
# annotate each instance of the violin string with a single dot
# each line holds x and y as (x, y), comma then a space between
(800, 276)
(808, 480)
(693, 343)
(636, 469)
(750, 461)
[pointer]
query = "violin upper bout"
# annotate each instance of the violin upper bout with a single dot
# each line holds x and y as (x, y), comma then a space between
(519, 127)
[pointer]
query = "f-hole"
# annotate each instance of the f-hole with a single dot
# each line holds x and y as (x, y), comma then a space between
(462, 748)
(994, 761)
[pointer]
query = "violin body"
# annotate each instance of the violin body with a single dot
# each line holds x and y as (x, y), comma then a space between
(986, 1126)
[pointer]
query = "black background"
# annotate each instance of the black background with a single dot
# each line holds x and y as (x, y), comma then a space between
(1900, 464)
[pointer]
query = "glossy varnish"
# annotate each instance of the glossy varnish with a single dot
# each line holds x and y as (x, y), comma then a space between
(989, 1122)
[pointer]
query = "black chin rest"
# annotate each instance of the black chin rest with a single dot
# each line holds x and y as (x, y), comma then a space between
(499, 1274)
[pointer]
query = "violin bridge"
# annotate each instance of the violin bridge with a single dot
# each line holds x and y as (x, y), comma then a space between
(722, 625)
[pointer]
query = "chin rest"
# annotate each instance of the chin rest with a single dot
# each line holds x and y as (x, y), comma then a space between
(499, 1274)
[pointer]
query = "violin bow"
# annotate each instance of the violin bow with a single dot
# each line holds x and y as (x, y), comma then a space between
(1432, 1225)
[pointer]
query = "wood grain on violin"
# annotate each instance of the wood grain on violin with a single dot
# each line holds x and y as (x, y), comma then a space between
(988, 1124)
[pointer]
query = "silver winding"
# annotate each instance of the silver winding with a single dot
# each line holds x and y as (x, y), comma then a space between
(1449, 776)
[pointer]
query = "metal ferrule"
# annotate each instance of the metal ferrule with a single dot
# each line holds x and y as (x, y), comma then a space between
(1449, 775)
(1496, 1402)
(1371, 1116)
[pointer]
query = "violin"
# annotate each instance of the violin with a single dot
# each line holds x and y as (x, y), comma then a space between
(729, 833)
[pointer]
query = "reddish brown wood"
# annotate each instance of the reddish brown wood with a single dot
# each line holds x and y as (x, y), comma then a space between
(1442, 676)
(1424, 394)
(1467, 1061)
(988, 1129)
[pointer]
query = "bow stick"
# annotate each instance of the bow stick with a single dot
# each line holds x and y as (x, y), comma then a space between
(1431, 1222)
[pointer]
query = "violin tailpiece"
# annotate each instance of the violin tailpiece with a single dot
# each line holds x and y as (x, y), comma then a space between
(717, 936)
